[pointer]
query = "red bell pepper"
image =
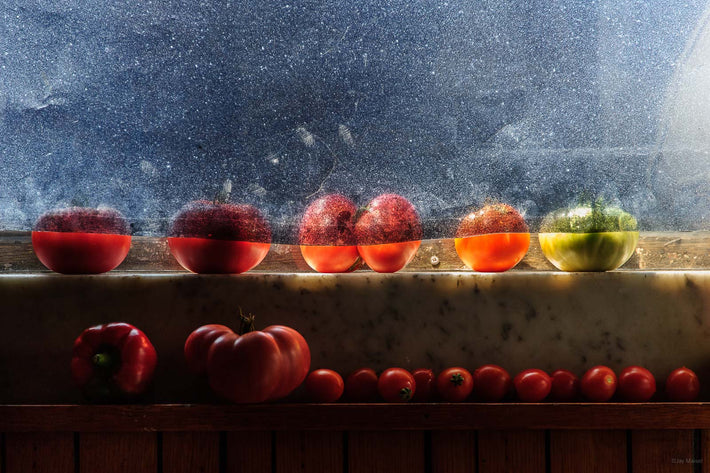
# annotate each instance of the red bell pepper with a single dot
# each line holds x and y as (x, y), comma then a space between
(113, 362)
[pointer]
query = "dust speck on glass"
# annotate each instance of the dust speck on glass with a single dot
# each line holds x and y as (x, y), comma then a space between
(144, 106)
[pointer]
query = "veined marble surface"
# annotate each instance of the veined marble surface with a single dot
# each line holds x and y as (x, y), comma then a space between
(519, 320)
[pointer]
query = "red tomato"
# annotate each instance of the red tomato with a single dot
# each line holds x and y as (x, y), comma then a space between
(396, 385)
(198, 344)
(598, 384)
(454, 384)
(565, 386)
(207, 256)
(389, 257)
(258, 365)
(493, 253)
(80, 253)
(532, 385)
(636, 384)
(331, 259)
(682, 385)
(324, 385)
(361, 385)
(491, 383)
(424, 379)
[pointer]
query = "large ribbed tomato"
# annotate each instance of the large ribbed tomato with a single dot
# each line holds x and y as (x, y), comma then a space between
(252, 367)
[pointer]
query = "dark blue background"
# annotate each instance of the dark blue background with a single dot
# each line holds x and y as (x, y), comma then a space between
(146, 105)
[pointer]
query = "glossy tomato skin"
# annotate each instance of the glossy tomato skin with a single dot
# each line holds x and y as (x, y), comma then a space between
(636, 384)
(324, 385)
(331, 259)
(295, 358)
(425, 382)
(244, 368)
(682, 385)
(80, 253)
(361, 385)
(454, 384)
(207, 256)
(389, 257)
(493, 253)
(532, 385)
(491, 383)
(396, 385)
(565, 386)
(198, 344)
(598, 384)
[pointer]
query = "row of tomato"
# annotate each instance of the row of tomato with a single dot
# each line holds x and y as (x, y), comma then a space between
(492, 383)
(117, 361)
(335, 237)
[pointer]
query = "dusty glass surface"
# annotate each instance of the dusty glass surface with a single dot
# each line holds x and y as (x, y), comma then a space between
(144, 106)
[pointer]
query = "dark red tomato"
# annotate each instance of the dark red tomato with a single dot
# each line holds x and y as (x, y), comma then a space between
(396, 385)
(198, 344)
(295, 358)
(491, 383)
(636, 384)
(207, 256)
(80, 253)
(361, 385)
(532, 385)
(682, 385)
(565, 386)
(454, 384)
(324, 385)
(598, 384)
(424, 379)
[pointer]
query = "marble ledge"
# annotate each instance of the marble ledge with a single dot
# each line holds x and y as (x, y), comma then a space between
(516, 319)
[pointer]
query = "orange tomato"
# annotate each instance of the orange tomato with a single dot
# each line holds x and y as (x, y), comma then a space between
(330, 259)
(494, 252)
(389, 257)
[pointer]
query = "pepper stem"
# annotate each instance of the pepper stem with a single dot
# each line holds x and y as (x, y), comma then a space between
(102, 360)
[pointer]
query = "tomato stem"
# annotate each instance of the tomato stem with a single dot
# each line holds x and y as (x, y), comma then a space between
(102, 360)
(457, 379)
(405, 394)
(246, 323)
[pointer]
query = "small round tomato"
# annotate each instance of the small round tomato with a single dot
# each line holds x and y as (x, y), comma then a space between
(598, 384)
(331, 259)
(361, 385)
(389, 257)
(396, 385)
(532, 385)
(491, 383)
(636, 384)
(324, 385)
(565, 386)
(682, 385)
(454, 384)
(424, 379)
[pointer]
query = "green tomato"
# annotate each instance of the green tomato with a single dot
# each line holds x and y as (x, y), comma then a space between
(599, 251)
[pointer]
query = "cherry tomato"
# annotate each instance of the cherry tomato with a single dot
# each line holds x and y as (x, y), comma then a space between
(636, 384)
(598, 384)
(324, 385)
(80, 253)
(361, 385)
(491, 383)
(208, 256)
(532, 385)
(424, 379)
(565, 386)
(454, 384)
(682, 385)
(396, 385)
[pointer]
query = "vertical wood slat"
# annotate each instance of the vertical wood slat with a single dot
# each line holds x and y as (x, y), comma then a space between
(588, 451)
(453, 451)
(510, 450)
(309, 452)
(39, 452)
(386, 452)
(249, 452)
(113, 452)
(190, 452)
(659, 451)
